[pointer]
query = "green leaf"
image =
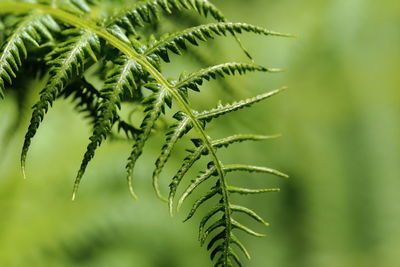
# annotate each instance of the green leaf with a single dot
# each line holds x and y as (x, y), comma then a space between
(119, 83)
(245, 229)
(200, 201)
(66, 61)
(194, 80)
(31, 28)
(147, 11)
(249, 168)
(154, 105)
(249, 212)
(246, 191)
(200, 179)
(173, 135)
(224, 109)
(177, 42)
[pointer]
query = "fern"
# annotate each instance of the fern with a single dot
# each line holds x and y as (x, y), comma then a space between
(66, 61)
(128, 56)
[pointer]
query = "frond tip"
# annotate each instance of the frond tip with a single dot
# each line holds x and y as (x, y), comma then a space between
(178, 41)
(65, 62)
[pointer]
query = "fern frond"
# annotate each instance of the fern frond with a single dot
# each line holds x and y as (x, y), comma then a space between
(249, 168)
(236, 241)
(173, 135)
(147, 11)
(246, 191)
(224, 109)
(178, 41)
(28, 29)
(194, 80)
(240, 226)
(201, 150)
(154, 107)
(120, 82)
(131, 61)
(214, 191)
(74, 6)
(208, 116)
(200, 179)
(249, 212)
(68, 60)
(195, 155)
(223, 240)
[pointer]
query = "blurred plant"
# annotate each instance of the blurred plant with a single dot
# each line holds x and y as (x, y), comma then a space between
(122, 52)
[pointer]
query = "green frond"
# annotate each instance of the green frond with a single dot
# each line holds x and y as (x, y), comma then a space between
(214, 240)
(186, 165)
(207, 217)
(249, 212)
(173, 135)
(31, 29)
(74, 6)
(178, 41)
(236, 241)
(217, 224)
(201, 150)
(245, 229)
(249, 168)
(238, 138)
(235, 257)
(120, 82)
(130, 61)
(194, 80)
(200, 201)
(246, 191)
(148, 11)
(154, 106)
(224, 109)
(119, 33)
(68, 60)
(216, 250)
(194, 184)
(81, 4)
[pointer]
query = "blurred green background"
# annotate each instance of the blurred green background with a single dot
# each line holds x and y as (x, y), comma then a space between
(340, 145)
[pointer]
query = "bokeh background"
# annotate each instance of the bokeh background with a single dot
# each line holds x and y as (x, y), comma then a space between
(340, 145)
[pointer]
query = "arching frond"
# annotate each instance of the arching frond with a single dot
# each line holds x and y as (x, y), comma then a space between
(66, 61)
(178, 41)
(155, 105)
(194, 80)
(225, 109)
(31, 29)
(147, 11)
(119, 82)
(104, 63)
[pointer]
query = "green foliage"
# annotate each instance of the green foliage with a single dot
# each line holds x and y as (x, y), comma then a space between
(73, 38)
